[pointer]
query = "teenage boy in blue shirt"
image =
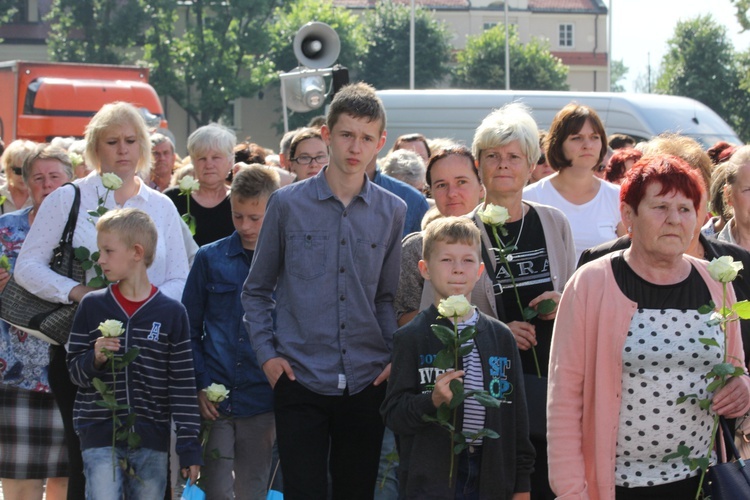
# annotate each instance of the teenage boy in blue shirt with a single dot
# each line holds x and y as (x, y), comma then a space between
(329, 249)
(242, 426)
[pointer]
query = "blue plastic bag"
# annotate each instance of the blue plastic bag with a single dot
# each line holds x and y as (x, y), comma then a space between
(192, 492)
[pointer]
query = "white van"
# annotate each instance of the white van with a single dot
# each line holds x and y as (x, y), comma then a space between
(456, 113)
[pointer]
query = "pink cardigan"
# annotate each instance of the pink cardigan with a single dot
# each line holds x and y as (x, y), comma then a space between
(585, 378)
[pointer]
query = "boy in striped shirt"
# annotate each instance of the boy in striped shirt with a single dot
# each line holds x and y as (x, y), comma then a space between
(489, 468)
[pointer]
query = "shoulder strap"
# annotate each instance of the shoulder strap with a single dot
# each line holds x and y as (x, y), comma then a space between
(70, 227)
(497, 288)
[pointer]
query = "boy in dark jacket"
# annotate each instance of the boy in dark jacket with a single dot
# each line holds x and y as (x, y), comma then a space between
(490, 468)
(157, 385)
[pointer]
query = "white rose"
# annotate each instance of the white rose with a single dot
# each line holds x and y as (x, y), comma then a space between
(75, 159)
(454, 306)
(724, 269)
(188, 184)
(111, 181)
(494, 215)
(111, 328)
(216, 393)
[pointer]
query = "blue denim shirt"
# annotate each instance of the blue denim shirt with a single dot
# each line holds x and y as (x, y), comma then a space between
(416, 203)
(335, 271)
(222, 352)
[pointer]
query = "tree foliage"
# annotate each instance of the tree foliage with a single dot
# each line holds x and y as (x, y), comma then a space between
(742, 7)
(701, 63)
(291, 17)
(8, 9)
(220, 56)
(618, 70)
(386, 63)
(95, 31)
(482, 64)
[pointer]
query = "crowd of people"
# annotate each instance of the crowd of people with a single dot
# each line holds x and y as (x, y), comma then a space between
(310, 285)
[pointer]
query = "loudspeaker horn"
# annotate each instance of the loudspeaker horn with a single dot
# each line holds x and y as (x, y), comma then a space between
(316, 45)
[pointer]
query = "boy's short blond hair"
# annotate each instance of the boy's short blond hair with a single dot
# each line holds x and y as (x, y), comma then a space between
(450, 230)
(134, 227)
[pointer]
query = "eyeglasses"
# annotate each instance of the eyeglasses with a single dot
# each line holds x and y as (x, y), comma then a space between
(541, 160)
(306, 160)
(17, 170)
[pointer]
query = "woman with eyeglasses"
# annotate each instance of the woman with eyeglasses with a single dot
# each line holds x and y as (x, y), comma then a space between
(14, 191)
(542, 168)
(576, 145)
(308, 153)
(211, 150)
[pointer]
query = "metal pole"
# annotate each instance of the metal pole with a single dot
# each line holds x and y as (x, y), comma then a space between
(507, 48)
(283, 106)
(411, 48)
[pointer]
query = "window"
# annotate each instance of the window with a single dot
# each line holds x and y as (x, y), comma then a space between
(488, 26)
(565, 35)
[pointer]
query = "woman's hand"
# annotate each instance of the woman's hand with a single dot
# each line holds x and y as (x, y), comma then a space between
(552, 295)
(442, 392)
(78, 291)
(4, 277)
(524, 333)
(733, 400)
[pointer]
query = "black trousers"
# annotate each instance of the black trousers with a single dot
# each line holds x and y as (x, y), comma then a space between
(65, 395)
(319, 434)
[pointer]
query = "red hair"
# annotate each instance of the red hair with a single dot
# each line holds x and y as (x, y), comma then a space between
(673, 173)
(616, 167)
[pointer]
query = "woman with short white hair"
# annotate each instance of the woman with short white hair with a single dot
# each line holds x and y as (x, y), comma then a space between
(211, 150)
(406, 166)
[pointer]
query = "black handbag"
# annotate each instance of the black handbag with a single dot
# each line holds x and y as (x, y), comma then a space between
(728, 480)
(49, 321)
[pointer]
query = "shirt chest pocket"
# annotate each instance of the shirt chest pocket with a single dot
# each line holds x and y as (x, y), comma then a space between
(306, 254)
(368, 258)
(221, 296)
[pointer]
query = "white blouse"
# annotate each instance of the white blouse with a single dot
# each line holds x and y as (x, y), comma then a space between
(168, 272)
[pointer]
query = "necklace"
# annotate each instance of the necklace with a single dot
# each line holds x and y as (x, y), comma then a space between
(518, 238)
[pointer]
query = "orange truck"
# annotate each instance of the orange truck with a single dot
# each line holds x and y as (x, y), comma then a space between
(42, 100)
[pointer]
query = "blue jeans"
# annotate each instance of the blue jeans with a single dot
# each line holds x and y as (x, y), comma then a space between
(467, 475)
(150, 479)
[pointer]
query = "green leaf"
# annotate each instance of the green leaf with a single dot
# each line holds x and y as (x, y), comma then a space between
(4, 262)
(459, 438)
(714, 385)
(110, 405)
(723, 369)
(129, 356)
(101, 210)
(486, 400)
(2, 199)
(682, 451)
(97, 282)
(95, 256)
(704, 404)
(100, 386)
(711, 342)
(482, 433)
(701, 463)
(134, 440)
(529, 313)
(93, 213)
(546, 306)
(464, 350)
(444, 334)
(444, 413)
(684, 398)
(466, 334)
(707, 309)
(460, 447)
(444, 359)
(742, 309)
(82, 253)
(86, 265)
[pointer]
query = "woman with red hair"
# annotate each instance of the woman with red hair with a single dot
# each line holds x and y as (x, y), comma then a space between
(627, 342)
